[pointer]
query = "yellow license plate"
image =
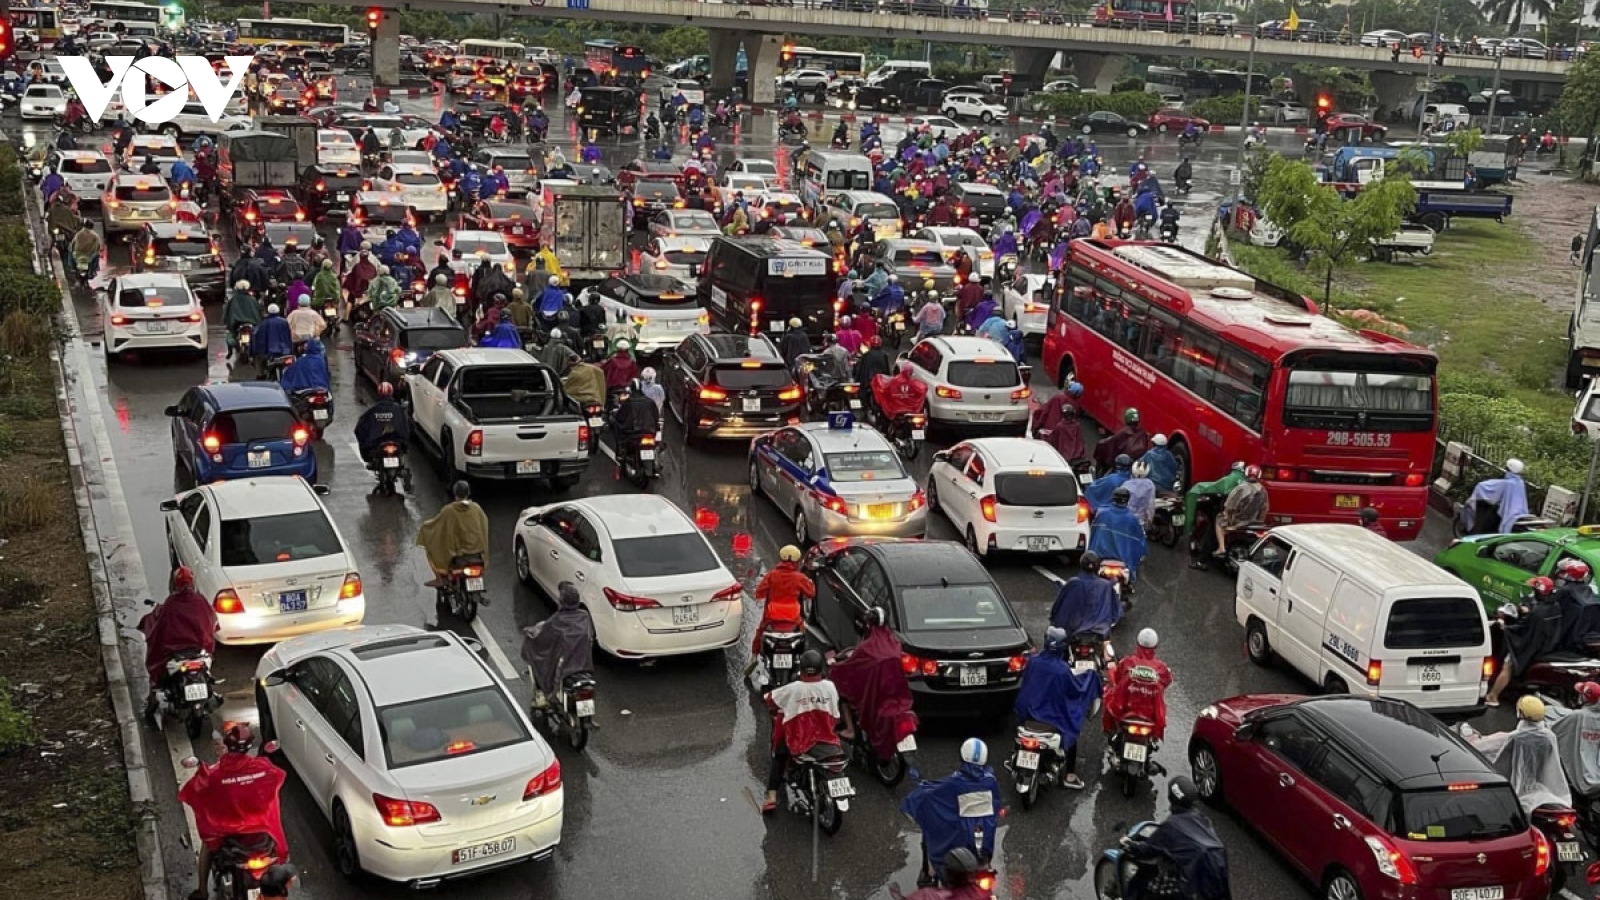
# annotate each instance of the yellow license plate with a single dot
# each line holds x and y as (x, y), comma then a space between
(880, 510)
(1347, 501)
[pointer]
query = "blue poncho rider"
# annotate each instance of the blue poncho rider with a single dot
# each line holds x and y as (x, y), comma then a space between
(960, 810)
(1054, 696)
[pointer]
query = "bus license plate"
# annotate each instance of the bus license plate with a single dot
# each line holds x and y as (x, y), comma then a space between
(292, 601)
(475, 584)
(1135, 752)
(391, 462)
(685, 615)
(1027, 759)
(1038, 545)
(974, 676)
(1347, 501)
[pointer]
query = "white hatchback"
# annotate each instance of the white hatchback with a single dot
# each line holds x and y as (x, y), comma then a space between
(1009, 494)
(972, 383)
(419, 185)
(647, 575)
(1026, 298)
(415, 751)
(337, 147)
(268, 555)
(477, 246)
(151, 311)
(677, 257)
(952, 240)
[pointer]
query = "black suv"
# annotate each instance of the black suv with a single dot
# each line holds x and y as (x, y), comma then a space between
(397, 337)
(730, 385)
(329, 189)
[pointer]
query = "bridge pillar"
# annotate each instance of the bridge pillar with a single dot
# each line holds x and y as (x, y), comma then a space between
(1395, 90)
(761, 52)
(724, 52)
(386, 50)
(1029, 65)
(1098, 70)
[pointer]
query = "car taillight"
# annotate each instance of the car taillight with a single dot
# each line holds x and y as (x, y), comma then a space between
(212, 443)
(1488, 668)
(119, 319)
(1083, 511)
(790, 393)
(627, 602)
(1414, 479)
(1541, 855)
(834, 504)
(112, 204)
(583, 435)
(351, 588)
(948, 393)
(988, 505)
(193, 317)
(546, 782)
(404, 813)
(918, 501)
(474, 445)
(711, 393)
(1017, 663)
(227, 602)
(300, 436)
(911, 664)
(732, 592)
(1021, 393)
(1374, 672)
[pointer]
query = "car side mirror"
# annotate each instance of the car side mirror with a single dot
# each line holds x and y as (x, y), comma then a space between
(1245, 732)
(413, 369)
(941, 456)
(169, 506)
(275, 678)
(172, 411)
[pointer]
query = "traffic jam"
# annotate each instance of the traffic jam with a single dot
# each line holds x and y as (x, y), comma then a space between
(562, 454)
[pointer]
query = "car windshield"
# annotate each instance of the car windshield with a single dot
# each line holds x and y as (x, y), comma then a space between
(152, 297)
(664, 555)
(473, 246)
(512, 163)
(141, 193)
(1461, 812)
(1036, 489)
(274, 539)
(433, 338)
(863, 465)
(996, 373)
(760, 167)
(447, 727)
(417, 178)
(180, 246)
(956, 607)
(85, 166)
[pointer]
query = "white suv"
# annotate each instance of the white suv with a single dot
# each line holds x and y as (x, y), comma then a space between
(972, 106)
(193, 119)
(1010, 494)
(972, 382)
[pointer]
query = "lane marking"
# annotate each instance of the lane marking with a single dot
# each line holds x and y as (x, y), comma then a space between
(1049, 575)
(496, 655)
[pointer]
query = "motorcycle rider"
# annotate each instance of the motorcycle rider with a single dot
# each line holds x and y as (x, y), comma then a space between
(1087, 603)
(1138, 688)
(649, 387)
(86, 248)
(901, 395)
(1529, 756)
(1200, 542)
(1141, 494)
(1246, 503)
(1580, 608)
(1185, 844)
(1578, 740)
(237, 796)
(1169, 221)
(1532, 630)
(805, 714)
(873, 686)
(552, 300)
(559, 646)
(1132, 440)
(150, 166)
(960, 810)
(1053, 694)
(309, 372)
(891, 299)
(1056, 423)
(325, 286)
(584, 382)
(305, 323)
(1098, 493)
(272, 340)
(1505, 497)
(636, 416)
(795, 343)
(1116, 533)
(460, 529)
(1162, 464)
(184, 621)
(1183, 175)
(383, 422)
(241, 309)
(782, 594)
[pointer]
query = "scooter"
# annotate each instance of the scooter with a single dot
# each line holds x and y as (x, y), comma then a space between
(828, 385)
(570, 709)
(1166, 519)
(816, 787)
(390, 467)
(906, 433)
(1116, 869)
(636, 457)
(187, 692)
(1169, 232)
(462, 592)
(1130, 747)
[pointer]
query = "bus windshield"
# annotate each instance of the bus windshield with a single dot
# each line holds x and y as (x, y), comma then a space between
(1341, 399)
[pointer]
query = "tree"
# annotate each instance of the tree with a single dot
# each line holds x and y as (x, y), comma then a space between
(1510, 13)
(1579, 106)
(1330, 230)
(1465, 141)
(1565, 22)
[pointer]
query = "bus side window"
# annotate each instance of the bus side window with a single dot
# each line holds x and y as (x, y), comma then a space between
(1131, 335)
(1196, 368)
(1165, 345)
(1241, 383)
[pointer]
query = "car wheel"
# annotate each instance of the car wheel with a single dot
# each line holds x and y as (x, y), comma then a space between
(1087, 129)
(1335, 685)
(933, 497)
(755, 479)
(1133, 132)
(172, 131)
(1162, 128)
(1256, 644)
(802, 529)
(345, 854)
(979, 550)
(1341, 885)
(986, 117)
(524, 570)
(1207, 774)
(447, 457)
(264, 723)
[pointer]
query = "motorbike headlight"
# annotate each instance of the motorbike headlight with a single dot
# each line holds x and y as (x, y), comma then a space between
(409, 358)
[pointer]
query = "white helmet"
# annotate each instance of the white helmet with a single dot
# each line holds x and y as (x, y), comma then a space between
(1159, 440)
(623, 344)
(554, 281)
(894, 277)
(1149, 639)
(383, 270)
(648, 376)
(555, 334)
(241, 285)
(1514, 466)
(1141, 469)
(975, 751)
(272, 309)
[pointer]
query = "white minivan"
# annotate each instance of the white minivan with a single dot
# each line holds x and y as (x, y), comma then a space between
(1355, 612)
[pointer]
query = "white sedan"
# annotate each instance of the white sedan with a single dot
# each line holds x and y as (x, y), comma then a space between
(151, 311)
(268, 556)
(417, 754)
(475, 247)
(647, 575)
(676, 257)
(684, 223)
(953, 240)
(419, 185)
(1026, 298)
(1384, 38)
(337, 147)
(43, 101)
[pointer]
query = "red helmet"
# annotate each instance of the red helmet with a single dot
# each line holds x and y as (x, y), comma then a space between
(1588, 692)
(1541, 586)
(183, 579)
(385, 389)
(1570, 569)
(1252, 473)
(238, 738)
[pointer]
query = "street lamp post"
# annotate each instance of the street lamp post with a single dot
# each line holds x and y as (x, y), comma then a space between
(1422, 108)
(1244, 116)
(1494, 93)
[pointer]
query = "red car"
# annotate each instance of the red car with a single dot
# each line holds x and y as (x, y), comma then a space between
(1369, 798)
(649, 170)
(514, 221)
(1341, 123)
(1165, 120)
(268, 205)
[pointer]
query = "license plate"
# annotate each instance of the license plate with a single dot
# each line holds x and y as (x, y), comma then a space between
(1083, 665)
(775, 325)
(972, 223)
(517, 229)
(1027, 759)
(154, 327)
(974, 676)
(585, 707)
(1038, 545)
(596, 421)
(1347, 501)
(840, 787)
(483, 851)
(752, 405)
(1177, 520)
(321, 415)
(260, 459)
(391, 462)
(1494, 892)
(527, 467)
(1135, 752)
(783, 660)
(292, 601)
(880, 510)
(329, 312)
(855, 404)
(985, 417)
(899, 326)
(475, 584)
(685, 615)
(917, 434)
(1569, 851)
(647, 454)
(908, 744)
(244, 339)
(195, 692)
(1429, 674)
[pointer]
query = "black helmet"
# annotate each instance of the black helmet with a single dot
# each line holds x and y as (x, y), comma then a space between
(239, 738)
(812, 663)
(872, 616)
(1090, 561)
(1121, 496)
(1182, 792)
(276, 880)
(461, 490)
(960, 865)
(1123, 461)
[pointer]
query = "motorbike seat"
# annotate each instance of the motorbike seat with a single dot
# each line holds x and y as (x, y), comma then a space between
(821, 753)
(577, 679)
(1564, 657)
(235, 849)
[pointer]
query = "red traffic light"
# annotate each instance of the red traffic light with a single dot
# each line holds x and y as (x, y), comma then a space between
(6, 42)
(374, 16)
(1323, 102)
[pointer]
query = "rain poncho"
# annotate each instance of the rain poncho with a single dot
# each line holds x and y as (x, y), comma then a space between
(309, 372)
(1530, 758)
(1219, 488)
(1580, 617)
(1533, 635)
(325, 288)
(585, 383)
(1132, 440)
(505, 335)
(383, 292)
(1508, 495)
(237, 796)
(1578, 740)
(994, 328)
(949, 810)
(1059, 417)
(1099, 491)
(561, 645)
(1086, 602)
(1163, 467)
(1246, 503)
(1051, 693)
(1141, 498)
(241, 309)
(460, 529)
(1116, 533)
(272, 338)
(185, 621)
(871, 681)
(1187, 840)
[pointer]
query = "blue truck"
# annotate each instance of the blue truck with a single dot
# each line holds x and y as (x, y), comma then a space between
(1441, 193)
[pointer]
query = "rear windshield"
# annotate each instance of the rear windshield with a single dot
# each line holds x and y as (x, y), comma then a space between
(1022, 489)
(94, 166)
(738, 378)
(1454, 815)
(274, 539)
(155, 193)
(447, 727)
(1366, 401)
(983, 201)
(686, 257)
(605, 99)
(250, 426)
(1433, 623)
(384, 213)
(181, 246)
(957, 607)
(759, 167)
(417, 178)
(877, 211)
(664, 555)
(433, 339)
(152, 297)
(140, 148)
(697, 219)
(997, 374)
(510, 380)
(512, 163)
(655, 189)
(863, 465)
(918, 258)
(472, 246)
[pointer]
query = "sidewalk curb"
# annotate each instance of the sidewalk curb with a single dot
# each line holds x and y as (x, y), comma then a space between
(141, 794)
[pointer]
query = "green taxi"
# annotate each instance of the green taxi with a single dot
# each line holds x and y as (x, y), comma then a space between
(1499, 565)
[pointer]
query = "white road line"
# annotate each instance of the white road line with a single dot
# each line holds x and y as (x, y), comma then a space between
(179, 749)
(1049, 575)
(606, 449)
(496, 655)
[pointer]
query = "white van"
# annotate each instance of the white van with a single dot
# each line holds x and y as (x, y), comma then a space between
(1353, 611)
(827, 171)
(884, 72)
(1438, 114)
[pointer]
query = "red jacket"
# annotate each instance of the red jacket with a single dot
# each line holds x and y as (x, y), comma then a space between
(237, 796)
(1138, 690)
(780, 592)
(898, 395)
(805, 713)
(620, 369)
(185, 621)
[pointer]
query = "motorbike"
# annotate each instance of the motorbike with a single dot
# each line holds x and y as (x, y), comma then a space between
(188, 691)
(894, 327)
(1130, 747)
(1236, 543)
(596, 347)
(815, 786)
(1116, 869)
(242, 334)
(1143, 227)
(390, 466)
(724, 118)
(828, 385)
(1545, 148)
(462, 592)
(314, 407)
(1036, 760)
(787, 130)
(889, 772)
(1560, 827)
(1166, 519)
(651, 131)
(1186, 141)
(275, 367)
(906, 433)
(1183, 185)
(1482, 518)
(781, 644)
(570, 709)
(636, 457)
(1116, 572)
(1169, 232)
(240, 861)
(841, 143)
(80, 125)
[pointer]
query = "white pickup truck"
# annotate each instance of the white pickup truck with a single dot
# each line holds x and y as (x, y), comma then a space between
(497, 414)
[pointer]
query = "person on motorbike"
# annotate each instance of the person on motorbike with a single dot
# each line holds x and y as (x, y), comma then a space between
(590, 152)
(182, 174)
(1578, 740)
(1580, 608)
(559, 646)
(1186, 844)
(781, 593)
(962, 872)
(962, 809)
(584, 382)
(1087, 603)
(86, 248)
(1053, 694)
(873, 362)
(184, 621)
(63, 220)
(1531, 631)
(460, 529)
(847, 336)
(1116, 533)
(1056, 423)
(235, 797)
(805, 714)
(1505, 497)
(552, 300)
(873, 686)
(503, 334)
(304, 322)
(241, 309)
(1183, 175)
(1141, 494)
(1098, 492)
(650, 388)
(1246, 503)
(150, 166)
(1138, 687)
(309, 372)
(384, 291)
(900, 395)
(1132, 440)
(361, 275)
(930, 317)
(1162, 464)
(636, 415)
(272, 340)
(324, 285)
(1169, 219)
(841, 135)
(385, 421)
(1200, 544)
(1529, 756)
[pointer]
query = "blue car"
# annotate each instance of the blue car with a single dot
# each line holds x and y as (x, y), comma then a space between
(224, 431)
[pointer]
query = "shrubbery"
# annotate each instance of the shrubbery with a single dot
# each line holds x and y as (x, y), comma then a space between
(1129, 104)
(16, 726)
(1227, 110)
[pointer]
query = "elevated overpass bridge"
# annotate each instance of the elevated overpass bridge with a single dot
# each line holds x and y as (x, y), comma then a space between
(1098, 54)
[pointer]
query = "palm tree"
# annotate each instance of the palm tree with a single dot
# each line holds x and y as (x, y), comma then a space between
(1511, 12)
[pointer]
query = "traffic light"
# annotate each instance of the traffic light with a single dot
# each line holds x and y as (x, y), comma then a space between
(1324, 107)
(7, 42)
(174, 16)
(374, 17)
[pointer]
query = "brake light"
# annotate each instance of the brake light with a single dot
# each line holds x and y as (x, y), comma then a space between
(1017, 663)
(583, 435)
(119, 319)
(1083, 511)
(1284, 474)
(113, 204)
(546, 782)
(227, 602)
(192, 317)
(790, 393)
(322, 185)
(250, 215)
(193, 665)
(403, 813)
(627, 602)
(1566, 820)
(258, 862)
(1374, 672)
(300, 436)
(919, 421)
(948, 393)
(351, 588)
(474, 445)
(1028, 743)
(1414, 479)
(918, 501)
(150, 258)
(731, 593)
(711, 393)
(661, 263)
(1541, 853)
(397, 354)
(834, 504)
(986, 882)
(1021, 393)
(911, 664)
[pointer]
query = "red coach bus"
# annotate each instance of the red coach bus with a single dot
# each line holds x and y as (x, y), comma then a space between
(1232, 368)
